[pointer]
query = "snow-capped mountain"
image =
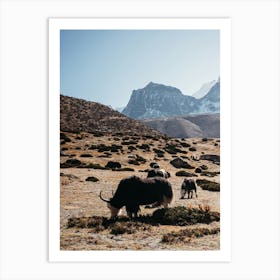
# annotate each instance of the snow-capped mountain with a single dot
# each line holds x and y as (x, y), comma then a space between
(204, 89)
(156, 100)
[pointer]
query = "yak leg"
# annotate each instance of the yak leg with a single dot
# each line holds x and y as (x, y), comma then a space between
(132, 211)
(195, 193)
(166, 201)
(183, 193)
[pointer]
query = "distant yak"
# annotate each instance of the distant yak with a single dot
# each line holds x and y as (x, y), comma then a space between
(134, 191)
(188, 186)
(156, 171)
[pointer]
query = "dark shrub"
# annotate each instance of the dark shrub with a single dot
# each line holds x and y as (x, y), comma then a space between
(185, 145)
(182, 216)
(64, 137)
(183, 173)
(179, 163)
(123, 169)
(113, 164)
(85, 155)
(92, 179)
(198, 170)
(93, 166)
(70, 163)
(140, 159)
(171, 149)
(213, 158)
(131, 142)
(208, 185)
(145, 147)
(159, 153)
(134, 162)
(192, 149)
(209, 173)
(185, 234)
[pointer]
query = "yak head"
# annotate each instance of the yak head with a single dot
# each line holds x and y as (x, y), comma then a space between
(114, 211)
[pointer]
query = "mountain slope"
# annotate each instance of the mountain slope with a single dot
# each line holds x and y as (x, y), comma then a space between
(206, 125)
(78, 115)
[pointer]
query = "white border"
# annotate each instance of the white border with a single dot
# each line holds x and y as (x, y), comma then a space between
(55, 25)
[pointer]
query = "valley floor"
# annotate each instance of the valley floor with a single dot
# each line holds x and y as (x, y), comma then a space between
(80, 198)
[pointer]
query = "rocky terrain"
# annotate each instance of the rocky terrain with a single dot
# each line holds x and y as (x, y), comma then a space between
(157, 100)
(90, 164)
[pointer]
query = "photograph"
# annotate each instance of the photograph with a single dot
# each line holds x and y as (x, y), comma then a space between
(139, 140)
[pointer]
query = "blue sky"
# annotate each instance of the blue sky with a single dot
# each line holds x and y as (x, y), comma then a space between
(106, 65)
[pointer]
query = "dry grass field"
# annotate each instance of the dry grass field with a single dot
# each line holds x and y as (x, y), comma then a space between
(85, 155)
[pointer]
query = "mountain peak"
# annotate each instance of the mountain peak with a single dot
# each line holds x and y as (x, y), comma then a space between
(150, 84)
(157, 100)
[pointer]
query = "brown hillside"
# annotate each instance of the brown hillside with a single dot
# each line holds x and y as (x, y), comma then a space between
(78, 115)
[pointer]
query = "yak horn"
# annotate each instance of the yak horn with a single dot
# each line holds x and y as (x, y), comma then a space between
(113, 193)
(103, 198)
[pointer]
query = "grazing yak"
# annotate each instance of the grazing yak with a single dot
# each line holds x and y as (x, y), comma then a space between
(188, 185)
(134, 191)
(156, 171)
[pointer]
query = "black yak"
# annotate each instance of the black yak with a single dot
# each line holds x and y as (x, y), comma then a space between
(134, 191)
(158, 172)
(188, 185)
